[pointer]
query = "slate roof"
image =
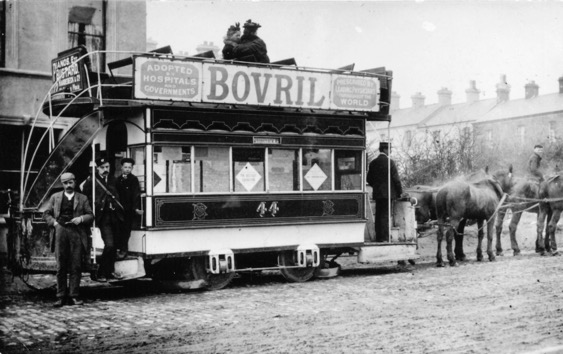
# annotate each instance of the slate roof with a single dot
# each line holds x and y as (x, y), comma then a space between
(412, 116)
(524, 107)
(460, 113)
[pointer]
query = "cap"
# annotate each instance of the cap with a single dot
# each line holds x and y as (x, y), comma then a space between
(250, 24)
(384, 145)
(100, 161)
(127, 159)
(67, 176)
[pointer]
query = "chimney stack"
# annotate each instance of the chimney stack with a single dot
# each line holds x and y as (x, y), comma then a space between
(503, 90)
(417, 100)
(561, 84)
(395, 101)
(472, 93)
(444, 97)
(532, 89)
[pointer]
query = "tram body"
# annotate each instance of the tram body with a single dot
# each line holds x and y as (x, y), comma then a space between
(243, 167)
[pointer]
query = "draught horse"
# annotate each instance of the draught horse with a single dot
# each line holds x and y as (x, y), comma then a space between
(459, 201)
(551, 206)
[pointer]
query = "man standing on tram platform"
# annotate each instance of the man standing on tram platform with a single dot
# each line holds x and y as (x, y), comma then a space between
(129, 195)
(378, 179)
(109, 214)
(70, 214)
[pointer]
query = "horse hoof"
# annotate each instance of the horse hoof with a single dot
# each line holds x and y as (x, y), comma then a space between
(543, 254)
(412, 262)
(492, 259)
(516, 253)
(440, 265)
(555, 253)
(461, 258)
(538, 250)
(500, 254)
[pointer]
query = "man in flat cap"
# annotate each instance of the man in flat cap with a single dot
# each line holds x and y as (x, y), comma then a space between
(378, 179)
(534, 162)
(108, 211)
(129, 191)
(69, 212)
(251, 47)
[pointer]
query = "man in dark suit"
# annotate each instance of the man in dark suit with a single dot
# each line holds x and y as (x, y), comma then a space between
(251, 47)
(108, 212)
(129, 195)
(378, 179)
(70, 214)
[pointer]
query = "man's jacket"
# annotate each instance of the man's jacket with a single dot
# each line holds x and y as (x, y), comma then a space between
(104, 202)
(377, 178)
(81, 207)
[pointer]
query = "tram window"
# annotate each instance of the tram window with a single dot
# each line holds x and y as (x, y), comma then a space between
(248, 168)
(317, 167)
(348, 170)
(283, 170)
(211, 169)
(172, 169)
(138, 154)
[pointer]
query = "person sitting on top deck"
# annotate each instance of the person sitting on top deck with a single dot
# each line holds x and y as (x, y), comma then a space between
(534, 162)
(232, 39)
(251, 48)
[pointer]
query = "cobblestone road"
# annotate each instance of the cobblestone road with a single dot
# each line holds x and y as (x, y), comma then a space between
(513, 305)
(509, 306)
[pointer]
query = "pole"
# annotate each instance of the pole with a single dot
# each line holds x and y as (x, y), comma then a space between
(389, 183)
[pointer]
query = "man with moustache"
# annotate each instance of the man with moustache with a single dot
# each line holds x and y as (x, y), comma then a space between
(108, 213)
(129, 196)
(69, 212)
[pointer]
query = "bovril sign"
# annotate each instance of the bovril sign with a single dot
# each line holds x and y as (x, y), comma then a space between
(194, 81)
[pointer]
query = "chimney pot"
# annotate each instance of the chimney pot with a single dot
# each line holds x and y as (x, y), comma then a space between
(561, 84)
(472, 93)
(444, 96)
(395, 101)
(503, 89)
(531, 89)
(418, 100)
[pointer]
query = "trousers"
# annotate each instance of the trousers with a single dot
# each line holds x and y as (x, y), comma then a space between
(68, 251)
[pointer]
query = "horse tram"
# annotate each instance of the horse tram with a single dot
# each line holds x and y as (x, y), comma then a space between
(243, 167)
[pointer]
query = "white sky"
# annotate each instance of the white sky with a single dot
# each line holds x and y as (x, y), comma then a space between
(427, 44)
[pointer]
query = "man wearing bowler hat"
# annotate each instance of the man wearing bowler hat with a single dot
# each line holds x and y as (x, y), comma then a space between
(129, 195)
(69, 212)
(378, 179)
(108, 211)
(251, 47)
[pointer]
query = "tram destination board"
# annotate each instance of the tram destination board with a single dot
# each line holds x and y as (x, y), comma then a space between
(187, 80)
(69, 74)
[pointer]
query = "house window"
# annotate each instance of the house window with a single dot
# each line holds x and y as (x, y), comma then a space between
(86, 27)
(521, 133)
(551, 133)
(489, 135)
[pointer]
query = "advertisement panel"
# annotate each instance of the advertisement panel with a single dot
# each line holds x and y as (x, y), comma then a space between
(195, 81)
(69, 74)
(266, 86)
(167, 79)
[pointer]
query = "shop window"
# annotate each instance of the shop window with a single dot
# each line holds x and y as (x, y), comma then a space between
(317, 169)
(283, 170)
(348, 170)
(248, 170)
(211, 167)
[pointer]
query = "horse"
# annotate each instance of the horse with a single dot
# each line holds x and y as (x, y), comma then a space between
(459, 201)
(523, 194)
(425, 207)
(551, 207)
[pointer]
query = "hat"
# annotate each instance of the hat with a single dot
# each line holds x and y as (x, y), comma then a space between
(67, 176)
(384, 145)
(127, 159)
(250, 24)
(100, 161)
(234, 28)
(538, 146)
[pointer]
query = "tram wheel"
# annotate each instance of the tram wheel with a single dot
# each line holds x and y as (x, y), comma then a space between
(294, 275)
(214, 281)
